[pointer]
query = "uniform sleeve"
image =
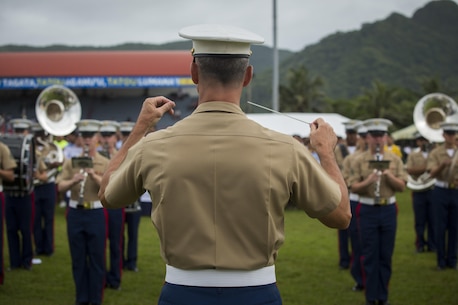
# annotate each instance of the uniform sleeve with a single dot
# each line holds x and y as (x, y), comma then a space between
(355, 174)
(126, 183)
(7, 159)
(400, 171)
(347, 168)
(313, 190)
(433, 159)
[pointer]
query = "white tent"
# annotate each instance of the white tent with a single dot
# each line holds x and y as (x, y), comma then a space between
(406, 133)
(290, 126)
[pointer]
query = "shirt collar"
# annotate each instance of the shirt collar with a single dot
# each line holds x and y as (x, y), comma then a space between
(218, 106)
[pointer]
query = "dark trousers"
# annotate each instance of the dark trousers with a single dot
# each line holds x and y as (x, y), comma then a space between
(378, 233)
(130, 247)
(86, 231)
(43, 228)
(424, 220)
(19, 222)
(356, 268)
(115, 235)
(189, 295)
(344, 253)
(2, 212)
(446, 206)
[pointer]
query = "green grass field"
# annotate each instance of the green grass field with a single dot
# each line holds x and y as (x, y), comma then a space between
(307, 270)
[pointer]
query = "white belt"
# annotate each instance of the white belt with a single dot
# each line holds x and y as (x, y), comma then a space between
(446, 185)
(353, 197)
(220, 278)
(379, 201)
(86, 205)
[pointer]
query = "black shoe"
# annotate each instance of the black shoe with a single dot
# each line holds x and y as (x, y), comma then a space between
(439, 268)
(82, 303)
(358, 287)
(383, 303)
(371, 303)
(420, 250)
(113, 287)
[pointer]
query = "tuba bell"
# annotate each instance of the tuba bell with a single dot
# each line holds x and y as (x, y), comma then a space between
(58, 109)
(429, 112)
(432, 110)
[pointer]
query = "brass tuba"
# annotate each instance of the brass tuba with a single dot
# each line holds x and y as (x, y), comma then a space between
(429, 112)
(432, 110)
(58, 109)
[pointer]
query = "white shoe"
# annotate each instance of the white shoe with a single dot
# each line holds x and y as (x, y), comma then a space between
(62, 204)
(36, 261)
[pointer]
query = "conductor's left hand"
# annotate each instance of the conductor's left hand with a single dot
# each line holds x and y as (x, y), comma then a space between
(153, 109)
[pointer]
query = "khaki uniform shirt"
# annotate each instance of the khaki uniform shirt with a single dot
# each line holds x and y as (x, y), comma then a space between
(219, 183)
(41, 152)
(348, 165)
(362, 170)
(7, 160)
(436, 157)
(342, 152)
(91, 188)
(416, 159)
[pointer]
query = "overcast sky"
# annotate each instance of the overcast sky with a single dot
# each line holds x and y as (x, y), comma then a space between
(111, 22)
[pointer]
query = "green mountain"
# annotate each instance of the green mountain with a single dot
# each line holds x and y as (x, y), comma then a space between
(398, 51)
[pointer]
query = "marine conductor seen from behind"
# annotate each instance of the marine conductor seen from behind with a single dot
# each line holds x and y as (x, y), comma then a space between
(224, 176)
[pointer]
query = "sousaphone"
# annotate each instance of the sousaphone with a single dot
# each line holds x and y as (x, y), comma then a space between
(430, 111)
(58, 109)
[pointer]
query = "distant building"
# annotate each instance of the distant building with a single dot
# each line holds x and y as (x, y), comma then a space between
(109, 84)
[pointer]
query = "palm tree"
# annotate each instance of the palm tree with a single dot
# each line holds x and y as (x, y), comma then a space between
(302, 93)
(378, 101)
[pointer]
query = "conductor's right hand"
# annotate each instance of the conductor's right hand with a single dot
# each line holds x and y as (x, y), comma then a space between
(153, 109)
(322, 137)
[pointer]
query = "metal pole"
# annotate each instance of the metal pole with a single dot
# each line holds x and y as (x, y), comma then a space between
(275, 103)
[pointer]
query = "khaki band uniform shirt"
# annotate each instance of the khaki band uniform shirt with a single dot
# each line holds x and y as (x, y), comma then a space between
(416, 159)
(7, 160)
(362, 171)
(436, 157)
(91, 188)
(339, 152)
(41, 153)
(348, 166)
(219, 184)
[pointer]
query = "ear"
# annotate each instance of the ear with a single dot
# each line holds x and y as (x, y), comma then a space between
(248, 75)
(194, 73)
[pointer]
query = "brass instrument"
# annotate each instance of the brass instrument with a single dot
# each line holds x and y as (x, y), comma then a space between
(378, 166)
(430, 111)
(54, 155)
(58, 110)
(84, 172)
